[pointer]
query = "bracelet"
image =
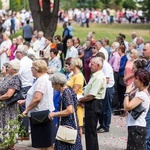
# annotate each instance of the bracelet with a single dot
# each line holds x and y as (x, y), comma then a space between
(126, 94)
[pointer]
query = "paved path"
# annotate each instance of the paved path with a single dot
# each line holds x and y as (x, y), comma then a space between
(115, 139)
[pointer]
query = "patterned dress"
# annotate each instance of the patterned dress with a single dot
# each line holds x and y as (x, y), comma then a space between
(69, 98)
(8, 112)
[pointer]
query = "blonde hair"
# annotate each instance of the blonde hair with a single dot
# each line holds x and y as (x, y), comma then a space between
(77, 62)
(40, 66)
(132, 44)
(135, 53)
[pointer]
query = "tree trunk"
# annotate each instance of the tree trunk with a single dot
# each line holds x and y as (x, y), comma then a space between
(45, 20)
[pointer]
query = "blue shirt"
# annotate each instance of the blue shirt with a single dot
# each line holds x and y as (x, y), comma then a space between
(123, 62)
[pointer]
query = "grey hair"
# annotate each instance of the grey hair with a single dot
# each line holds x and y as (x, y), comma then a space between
(116, 44)
(15, 64)
(23, 49)
(52, 70)
(58, 78)
(97, 60)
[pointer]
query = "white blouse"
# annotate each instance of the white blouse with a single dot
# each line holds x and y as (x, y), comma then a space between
(43, 85)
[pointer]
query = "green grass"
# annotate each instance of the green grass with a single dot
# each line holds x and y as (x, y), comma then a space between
(110, 31)
(106, 30)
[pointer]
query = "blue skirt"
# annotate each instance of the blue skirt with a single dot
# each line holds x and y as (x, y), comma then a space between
(43, 135)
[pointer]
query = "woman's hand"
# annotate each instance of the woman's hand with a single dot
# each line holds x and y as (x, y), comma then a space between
(130, 88)
(51, 115)
(21, 102)
(24, 114)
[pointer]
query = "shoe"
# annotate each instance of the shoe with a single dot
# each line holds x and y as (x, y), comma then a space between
(98, 128)
(102, 130)
(26, 138)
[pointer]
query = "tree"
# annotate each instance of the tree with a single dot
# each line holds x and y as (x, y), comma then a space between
(45, 18)
(129, 4)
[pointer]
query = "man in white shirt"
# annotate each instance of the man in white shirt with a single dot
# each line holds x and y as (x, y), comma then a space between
(71, 51)
(99, 46)
(36, 46)
(105, 117)
(41, 39)
(25, 76)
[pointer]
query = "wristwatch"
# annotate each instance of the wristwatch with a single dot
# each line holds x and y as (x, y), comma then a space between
(126, 94)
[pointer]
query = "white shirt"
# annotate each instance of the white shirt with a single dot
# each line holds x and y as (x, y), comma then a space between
(25, 71)
(104, 51)
(108, 71)
(140, 121)
(44, 86)
(42, 43)
(36, 47)
(72, 52)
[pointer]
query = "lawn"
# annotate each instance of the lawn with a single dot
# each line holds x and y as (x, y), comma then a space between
(110, 31)
(106, 30)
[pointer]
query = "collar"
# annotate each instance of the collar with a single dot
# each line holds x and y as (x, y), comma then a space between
(97, 72)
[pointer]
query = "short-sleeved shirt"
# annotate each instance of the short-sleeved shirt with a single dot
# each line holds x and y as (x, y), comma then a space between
(76, 79)
(44, 86)
(140, 121)
(97, 85)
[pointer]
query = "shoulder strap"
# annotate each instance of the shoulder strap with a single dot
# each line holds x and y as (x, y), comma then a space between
(73, 115)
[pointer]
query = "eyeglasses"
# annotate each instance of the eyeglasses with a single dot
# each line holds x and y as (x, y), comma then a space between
(93, 47)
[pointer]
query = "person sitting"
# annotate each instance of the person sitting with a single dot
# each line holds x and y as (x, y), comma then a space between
(55, 61)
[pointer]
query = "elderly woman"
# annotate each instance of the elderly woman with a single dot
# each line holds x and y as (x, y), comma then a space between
(76, 82)
(55, 61)
(4, 48)
(69, 106)
(8, 87)
(128, 74)
(40, 97)
(137, 127)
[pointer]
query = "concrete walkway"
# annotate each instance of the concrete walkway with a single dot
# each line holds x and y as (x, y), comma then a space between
(115, 139)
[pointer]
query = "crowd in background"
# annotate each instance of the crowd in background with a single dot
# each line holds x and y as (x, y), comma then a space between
(108, 71)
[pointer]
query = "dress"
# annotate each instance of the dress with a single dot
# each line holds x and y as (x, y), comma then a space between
(43, 135)
(8, 112)
(78, 79)
(69, 98)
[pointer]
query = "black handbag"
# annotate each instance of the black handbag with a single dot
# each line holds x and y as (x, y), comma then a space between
(136, 112)
(40, 117)
(16, 96)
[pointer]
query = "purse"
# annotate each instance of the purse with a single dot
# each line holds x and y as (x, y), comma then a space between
(40, 117)
(136, 112)
(16, 96)
(67, 134)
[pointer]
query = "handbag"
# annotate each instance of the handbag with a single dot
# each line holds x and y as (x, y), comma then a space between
(40, 117)
(16, 96)
(136, 112)
(67, 134)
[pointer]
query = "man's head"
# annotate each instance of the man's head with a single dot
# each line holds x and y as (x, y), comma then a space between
(146, 51)
(139, 40)
(96, 64)
(99, 44)
(133, 35)
(69, 43)
(88, 43)
(40, 34)
(114, 47)
(21, 52)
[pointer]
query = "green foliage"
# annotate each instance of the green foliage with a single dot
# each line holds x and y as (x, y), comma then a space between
(17, 5)
(0, 4)
(146, 8)
(11, 132)
(129, 4)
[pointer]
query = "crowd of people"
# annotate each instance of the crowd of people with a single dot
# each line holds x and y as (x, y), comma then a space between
(52, 75)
